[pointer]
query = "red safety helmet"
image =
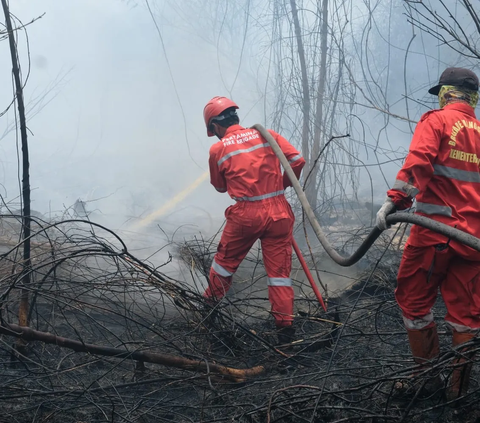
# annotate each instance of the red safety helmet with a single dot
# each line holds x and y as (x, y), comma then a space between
(215, 107)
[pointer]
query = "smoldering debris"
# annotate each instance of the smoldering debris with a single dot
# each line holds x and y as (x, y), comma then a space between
(98, 314)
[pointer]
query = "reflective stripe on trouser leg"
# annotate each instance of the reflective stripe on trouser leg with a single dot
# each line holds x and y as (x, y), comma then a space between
(218, 285)
(281, 298)
(420, 323)
(461, 328)
(279, 282)
(220, 270)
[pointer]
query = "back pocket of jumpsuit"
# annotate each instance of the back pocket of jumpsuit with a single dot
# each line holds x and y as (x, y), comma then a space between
(239, 219)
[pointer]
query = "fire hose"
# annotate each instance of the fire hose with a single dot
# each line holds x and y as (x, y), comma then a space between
(449, 232)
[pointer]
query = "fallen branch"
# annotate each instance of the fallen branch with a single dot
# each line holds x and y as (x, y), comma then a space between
(234, 375)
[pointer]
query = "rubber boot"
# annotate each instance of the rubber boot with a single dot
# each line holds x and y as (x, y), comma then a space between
(285, 335)
(460, 379)
(425, 347)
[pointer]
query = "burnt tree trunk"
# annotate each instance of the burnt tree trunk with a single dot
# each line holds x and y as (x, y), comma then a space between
(26, 220)
(306, 106)
(311, 188)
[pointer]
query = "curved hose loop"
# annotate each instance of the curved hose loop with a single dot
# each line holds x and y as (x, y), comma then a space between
(433, 225)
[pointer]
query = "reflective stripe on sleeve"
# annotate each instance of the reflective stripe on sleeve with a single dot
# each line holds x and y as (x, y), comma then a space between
(279, 282)
(221, 270)
(246, 150)
(406, 188)
(428, 208)
(260, 197)
(295, 158)
(459, 175)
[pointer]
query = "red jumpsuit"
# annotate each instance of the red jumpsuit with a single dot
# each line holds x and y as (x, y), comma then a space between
(243, 164)
(442, 167)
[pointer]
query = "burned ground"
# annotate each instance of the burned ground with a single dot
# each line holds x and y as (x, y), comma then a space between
(87, 287)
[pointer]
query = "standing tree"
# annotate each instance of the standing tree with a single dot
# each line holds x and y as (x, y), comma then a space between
(26, 218)
(305, 99)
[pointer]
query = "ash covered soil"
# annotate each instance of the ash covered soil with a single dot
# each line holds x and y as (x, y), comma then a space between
(343, 366)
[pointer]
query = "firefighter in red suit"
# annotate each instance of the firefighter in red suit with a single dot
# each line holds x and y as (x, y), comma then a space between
(243, 164)
(442, 173)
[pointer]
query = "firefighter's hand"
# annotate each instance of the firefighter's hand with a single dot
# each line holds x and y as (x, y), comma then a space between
(387, 208)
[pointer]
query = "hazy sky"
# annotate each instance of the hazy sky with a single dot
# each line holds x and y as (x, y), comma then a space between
(114, 126)
(115, 130)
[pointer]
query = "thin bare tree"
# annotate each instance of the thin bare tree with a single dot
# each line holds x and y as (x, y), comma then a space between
(26, 218)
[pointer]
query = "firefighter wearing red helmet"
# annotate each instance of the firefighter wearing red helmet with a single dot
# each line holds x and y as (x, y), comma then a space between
(442, 173)
(243, 164)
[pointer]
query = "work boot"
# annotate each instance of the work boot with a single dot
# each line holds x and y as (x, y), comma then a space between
(425, 348)
(424, 345)
(285, 335)
(462, 367)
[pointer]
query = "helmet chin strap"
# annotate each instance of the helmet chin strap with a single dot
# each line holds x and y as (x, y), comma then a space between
(216, 133)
